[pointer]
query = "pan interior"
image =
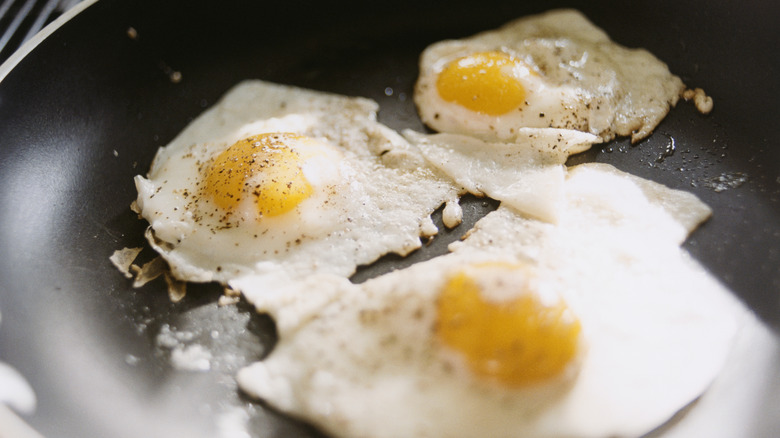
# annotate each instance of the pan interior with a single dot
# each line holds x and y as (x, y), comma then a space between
(87, 109)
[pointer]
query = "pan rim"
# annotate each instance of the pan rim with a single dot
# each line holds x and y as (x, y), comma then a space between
(16, 57)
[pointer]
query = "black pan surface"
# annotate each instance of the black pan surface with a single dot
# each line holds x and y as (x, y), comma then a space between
(86, 110)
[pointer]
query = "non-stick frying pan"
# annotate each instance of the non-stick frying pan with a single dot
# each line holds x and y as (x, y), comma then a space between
(85, 111)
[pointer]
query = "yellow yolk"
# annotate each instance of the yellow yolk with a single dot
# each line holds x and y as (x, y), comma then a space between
(263, 168)
(480, 83)
(520, 341)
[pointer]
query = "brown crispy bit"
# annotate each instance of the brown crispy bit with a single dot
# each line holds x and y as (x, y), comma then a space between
(176, 289)
(123, 259)
(149, 271)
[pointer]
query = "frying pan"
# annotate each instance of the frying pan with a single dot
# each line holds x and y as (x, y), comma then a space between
(85, 110)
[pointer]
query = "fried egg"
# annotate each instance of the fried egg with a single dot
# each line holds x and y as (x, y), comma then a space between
(526, 174)
(526, 329)
(554, 69)
(286, 181)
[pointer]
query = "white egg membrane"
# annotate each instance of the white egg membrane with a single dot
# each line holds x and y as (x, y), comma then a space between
(585, 81)
(361, 360)
(527, 174)
(359, 221)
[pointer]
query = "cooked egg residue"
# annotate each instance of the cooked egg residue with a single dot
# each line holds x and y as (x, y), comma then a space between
(555, 70)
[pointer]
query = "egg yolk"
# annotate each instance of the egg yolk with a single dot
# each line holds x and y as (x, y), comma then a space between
(263, 168)
(480, 83)
(520, 341)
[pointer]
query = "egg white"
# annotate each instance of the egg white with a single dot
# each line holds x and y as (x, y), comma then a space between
(582, 80)
(362, 359)
(526, 174)
(361, 171)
